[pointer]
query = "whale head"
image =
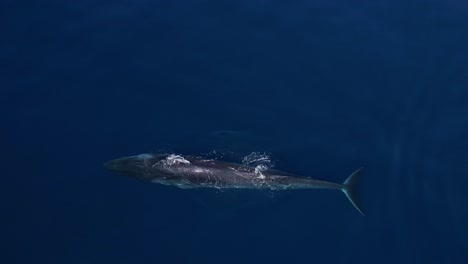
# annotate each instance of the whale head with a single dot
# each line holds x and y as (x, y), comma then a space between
(139, 166)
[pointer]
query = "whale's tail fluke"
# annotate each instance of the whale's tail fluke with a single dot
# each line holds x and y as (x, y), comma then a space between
(350, 188)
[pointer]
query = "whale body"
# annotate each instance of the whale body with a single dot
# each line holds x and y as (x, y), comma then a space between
(194, 172)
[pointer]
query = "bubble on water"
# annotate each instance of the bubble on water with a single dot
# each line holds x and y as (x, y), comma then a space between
(260, 161)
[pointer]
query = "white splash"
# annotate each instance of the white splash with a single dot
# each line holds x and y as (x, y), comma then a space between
(176, 159)
(259, 171)
(261, 162)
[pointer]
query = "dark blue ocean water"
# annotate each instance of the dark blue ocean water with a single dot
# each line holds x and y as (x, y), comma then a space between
(324, 87)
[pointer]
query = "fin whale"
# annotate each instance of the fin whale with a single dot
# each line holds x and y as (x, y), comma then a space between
(194, 172)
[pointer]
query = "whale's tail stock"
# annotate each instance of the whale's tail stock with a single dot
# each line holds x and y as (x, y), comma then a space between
(350, 189)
